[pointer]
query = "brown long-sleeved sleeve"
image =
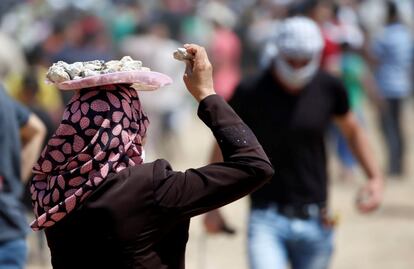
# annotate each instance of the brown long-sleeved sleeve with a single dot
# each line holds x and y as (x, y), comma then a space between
(244, 169)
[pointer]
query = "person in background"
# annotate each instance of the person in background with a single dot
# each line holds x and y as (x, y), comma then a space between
(31, 85)
(31, 89)
(20, 144)
(359, 83)
(323, 13)
(169, 108)
(290, 107)
(392, 60)
(84, 39)
(12, 60)
(224, 48)
(353, 72)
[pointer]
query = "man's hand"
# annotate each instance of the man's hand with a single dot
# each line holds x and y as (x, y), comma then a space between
(198, 76)
(370, 195)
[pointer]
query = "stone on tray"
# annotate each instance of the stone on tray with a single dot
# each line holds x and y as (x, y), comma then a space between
(89, 73)
(94, 65)
(62, 71)
(74, 70)
(57, 73)
(112, 66)
(131, 65)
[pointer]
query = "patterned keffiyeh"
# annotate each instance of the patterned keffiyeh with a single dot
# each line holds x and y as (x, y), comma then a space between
(101, 133)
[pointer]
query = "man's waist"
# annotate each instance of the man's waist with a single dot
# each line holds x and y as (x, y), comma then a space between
(300, 211)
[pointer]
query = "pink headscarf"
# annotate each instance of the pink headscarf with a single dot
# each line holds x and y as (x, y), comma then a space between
(101, 133)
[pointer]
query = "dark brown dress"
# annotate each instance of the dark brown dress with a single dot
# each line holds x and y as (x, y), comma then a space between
(139, 218)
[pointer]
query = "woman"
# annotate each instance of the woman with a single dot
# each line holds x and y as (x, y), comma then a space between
(102, 207)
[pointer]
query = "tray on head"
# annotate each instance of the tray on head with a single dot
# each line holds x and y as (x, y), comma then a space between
(140, 80)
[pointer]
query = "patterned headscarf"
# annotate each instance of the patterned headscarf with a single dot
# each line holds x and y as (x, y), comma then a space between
(101, 133)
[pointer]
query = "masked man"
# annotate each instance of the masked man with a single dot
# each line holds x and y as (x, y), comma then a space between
(289, 107)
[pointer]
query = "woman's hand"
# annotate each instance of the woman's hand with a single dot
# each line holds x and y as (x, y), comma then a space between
(198, 76)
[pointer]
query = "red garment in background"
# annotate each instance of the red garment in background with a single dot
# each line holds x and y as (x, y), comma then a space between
(331, 54)
(225, 54)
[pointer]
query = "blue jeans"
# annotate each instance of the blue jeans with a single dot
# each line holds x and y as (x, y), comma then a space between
(13, 254)
(275, 241)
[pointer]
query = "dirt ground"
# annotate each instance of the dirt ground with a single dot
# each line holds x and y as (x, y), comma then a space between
(382, 240)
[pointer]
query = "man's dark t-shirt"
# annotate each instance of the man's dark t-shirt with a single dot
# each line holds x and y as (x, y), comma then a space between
(12, 218)
(291, 128)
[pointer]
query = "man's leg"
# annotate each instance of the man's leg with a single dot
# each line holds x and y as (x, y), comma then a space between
(265, 239)
(312, 244)
(398, 152)
(389, 129)
(13, 254)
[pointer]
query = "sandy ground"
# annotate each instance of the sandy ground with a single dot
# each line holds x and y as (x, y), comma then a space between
(382, 240)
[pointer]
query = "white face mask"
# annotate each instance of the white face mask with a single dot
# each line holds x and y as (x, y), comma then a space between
(296, 78)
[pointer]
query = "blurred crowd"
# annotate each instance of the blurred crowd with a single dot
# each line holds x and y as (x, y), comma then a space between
(368, 44)
(237, 34)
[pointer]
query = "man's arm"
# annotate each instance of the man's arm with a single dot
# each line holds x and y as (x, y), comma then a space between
(32, 134)
(371, 194)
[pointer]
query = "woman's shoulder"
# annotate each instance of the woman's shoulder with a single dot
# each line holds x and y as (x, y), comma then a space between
(132, 184)
(140, 177)
(149, 173)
